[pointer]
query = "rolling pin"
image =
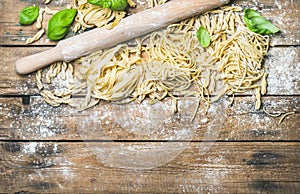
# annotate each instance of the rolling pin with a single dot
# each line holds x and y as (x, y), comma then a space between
(130, 27)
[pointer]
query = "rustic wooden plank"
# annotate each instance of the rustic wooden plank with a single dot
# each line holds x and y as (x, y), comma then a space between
(281, 12)
(10, 81)
(32, 119)
(282, 64)
(147, 167)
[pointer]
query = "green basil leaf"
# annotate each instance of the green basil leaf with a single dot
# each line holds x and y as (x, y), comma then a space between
(59, 24)
(268, 27)
(203, 37)
(28, 15)
(95, 2)
(107, 4)
(116, 5)
(251, 13)
(258, 24)
(257, 20)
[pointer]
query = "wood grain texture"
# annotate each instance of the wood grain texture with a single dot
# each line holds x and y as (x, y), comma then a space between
(76, 167)
(11, 82)
(281, 12)
(282, 64)
(36, 120)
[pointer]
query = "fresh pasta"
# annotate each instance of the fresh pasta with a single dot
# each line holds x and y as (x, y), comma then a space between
(39, 20)
(282, 115)
(36, 37)
(90, 16)
(166, 63)
(61, 74)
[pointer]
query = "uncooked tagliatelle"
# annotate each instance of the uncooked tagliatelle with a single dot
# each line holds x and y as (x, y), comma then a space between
(170, 62)
(89, 16)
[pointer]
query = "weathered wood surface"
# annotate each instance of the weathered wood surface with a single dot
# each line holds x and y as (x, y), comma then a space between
(283, 13)
(281, 63)
(240, 122)
(232, 149)
(129, 167)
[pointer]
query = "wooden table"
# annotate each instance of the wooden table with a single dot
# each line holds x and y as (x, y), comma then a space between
(232, 149)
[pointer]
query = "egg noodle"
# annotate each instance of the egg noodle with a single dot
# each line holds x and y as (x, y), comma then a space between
(89, 16)
(167, 63)
(282, 115)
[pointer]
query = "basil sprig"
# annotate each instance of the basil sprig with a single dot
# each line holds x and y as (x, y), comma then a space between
(116, 5)
(28, 15)
(258, 24)
(59, 24)
(203, 37)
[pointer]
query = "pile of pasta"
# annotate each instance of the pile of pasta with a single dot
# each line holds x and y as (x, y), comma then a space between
(166, 63)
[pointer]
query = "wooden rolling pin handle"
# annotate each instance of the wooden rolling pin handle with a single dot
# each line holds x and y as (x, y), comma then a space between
(39, 60)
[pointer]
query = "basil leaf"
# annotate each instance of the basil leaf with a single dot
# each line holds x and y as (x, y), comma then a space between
(59, 24)
(252, 13)
(258, 24)
(269, 28)
(116, 5)
(203, 37)
(95, 2)
(28, 15)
